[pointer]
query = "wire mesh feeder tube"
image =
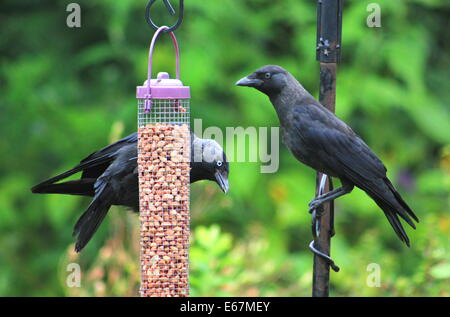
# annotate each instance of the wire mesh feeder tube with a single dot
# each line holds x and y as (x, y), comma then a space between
(164, 163)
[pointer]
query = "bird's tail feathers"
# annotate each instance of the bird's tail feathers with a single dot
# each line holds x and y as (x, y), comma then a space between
(397, 226)
(400, 200)
(82, 187)
(89, 222)
(390, 201)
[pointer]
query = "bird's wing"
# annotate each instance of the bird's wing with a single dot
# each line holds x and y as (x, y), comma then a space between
(112, 148)
(336, 145)
(100, 160)
(340, 150)
(94, 165)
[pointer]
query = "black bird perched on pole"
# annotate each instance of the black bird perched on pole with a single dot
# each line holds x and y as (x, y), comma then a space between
(110, 176)
(319, 139)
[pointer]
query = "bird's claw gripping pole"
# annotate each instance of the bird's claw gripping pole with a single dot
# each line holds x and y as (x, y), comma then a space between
(317, 212)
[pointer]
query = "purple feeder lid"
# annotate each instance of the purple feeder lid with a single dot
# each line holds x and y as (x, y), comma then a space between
(163, 87)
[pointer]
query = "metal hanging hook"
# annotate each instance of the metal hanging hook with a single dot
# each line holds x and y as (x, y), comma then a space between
(316, 215)
(171, 11)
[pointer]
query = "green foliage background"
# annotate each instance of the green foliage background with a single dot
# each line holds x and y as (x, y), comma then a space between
(67, 92)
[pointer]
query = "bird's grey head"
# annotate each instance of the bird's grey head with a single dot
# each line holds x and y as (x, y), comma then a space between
(209, 162)
(270, 79)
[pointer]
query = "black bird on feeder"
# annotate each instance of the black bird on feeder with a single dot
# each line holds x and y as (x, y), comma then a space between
(319, 139)
(110, 176)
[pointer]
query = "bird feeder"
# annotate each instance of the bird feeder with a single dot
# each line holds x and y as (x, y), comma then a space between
(164, 163)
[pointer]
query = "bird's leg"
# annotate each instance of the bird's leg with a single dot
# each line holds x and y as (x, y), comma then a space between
(317, 202)
(331, 195)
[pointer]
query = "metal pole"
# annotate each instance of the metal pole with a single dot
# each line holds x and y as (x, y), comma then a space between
(329, 25)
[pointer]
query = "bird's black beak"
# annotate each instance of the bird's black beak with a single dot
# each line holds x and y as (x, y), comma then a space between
(222, 181)
(249, 81)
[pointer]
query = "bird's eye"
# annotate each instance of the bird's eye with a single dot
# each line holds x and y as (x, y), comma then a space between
(267, 75)
(219, 163)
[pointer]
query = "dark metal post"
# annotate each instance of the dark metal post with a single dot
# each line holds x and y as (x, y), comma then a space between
(329, 25)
